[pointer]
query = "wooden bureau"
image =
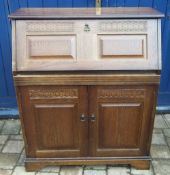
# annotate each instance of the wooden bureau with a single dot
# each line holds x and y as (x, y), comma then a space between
(87, 84)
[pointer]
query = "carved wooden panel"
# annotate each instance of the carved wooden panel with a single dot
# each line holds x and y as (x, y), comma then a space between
(53, 93)
(121, 93)
(49, 26)
(123, 46)
(56, 47)
(123, 26)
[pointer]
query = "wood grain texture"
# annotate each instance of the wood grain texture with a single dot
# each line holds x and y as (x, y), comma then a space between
(52, 127)
(82, 45)
(84, 13)
(52, 47)
(87, 117)
(50, 117)
(36, 164)
(122, 120)
(88, 79)
(123, 46)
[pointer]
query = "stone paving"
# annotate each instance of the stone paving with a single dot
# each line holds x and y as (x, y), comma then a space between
(12, 154)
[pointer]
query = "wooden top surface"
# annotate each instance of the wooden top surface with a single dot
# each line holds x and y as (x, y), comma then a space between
(85, 13)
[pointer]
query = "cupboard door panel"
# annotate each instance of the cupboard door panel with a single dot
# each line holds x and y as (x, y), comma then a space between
(51, 115)
(60, 126)
(123, 118)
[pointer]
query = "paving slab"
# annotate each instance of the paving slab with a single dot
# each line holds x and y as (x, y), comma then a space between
(5, 172)
(166, 132)
(11, 127)
(16, 137)
(8, 161)
(20, 170)
(41, 173)
(99, 167)
(13, 146)
(118, 171)
(142, 172)
(160, 122)
(167, 119)
(160, 151)
(1, 124)
(94, 172)
(158, 139)
(51, 169)
(157, 131)
(3, 139)
(161, 167)
(1, 146)
(71, 170)
(21, 159)
(168, 141)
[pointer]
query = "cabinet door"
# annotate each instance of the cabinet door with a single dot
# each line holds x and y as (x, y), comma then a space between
(123, 120)
(51, 119)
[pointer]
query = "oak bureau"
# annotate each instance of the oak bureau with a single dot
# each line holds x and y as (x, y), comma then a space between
(86, 84)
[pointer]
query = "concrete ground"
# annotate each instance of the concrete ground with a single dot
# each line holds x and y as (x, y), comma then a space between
(12, 154)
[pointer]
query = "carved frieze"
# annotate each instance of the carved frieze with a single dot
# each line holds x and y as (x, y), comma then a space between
(53, 93)
(121, 93)
(50, 26)
(123, 26)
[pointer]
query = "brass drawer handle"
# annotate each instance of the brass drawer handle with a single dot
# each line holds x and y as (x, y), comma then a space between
(83, 118)
(86, 28)
(92, 118)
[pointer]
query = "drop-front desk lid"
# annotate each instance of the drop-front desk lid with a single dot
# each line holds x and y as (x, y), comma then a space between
(85, 13)
(86, 39)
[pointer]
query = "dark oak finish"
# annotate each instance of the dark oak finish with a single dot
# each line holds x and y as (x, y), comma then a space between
(35, 164)
(56, 134)
(85, 13)
(51, 118)
(86, 117)
(122, 116)
(99, 78)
